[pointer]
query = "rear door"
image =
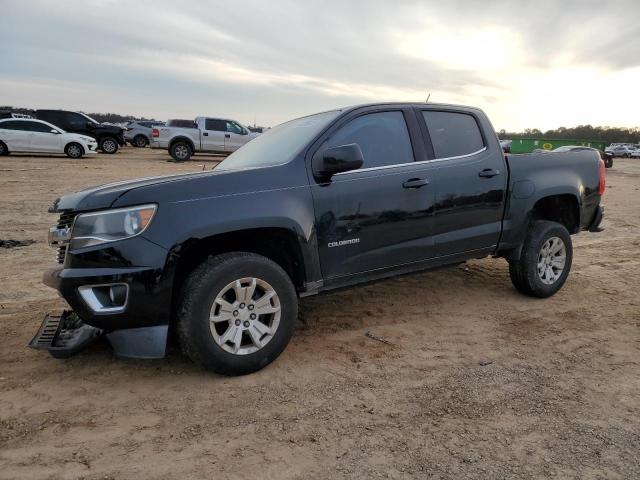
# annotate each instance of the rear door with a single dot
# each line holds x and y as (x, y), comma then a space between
(380, 215)
(212, 137)
(469, 180)
(42, 139)
(15, 135)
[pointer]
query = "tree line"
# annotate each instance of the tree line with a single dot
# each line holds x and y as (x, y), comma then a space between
(581, 132)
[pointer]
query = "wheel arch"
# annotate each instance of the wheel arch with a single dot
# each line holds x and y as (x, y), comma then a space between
(278, 244)
(75, 142)
(186, 140)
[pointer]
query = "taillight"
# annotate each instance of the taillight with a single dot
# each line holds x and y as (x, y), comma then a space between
(601, 170)
(156, 133)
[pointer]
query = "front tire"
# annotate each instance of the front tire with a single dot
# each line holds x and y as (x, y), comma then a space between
(109, 145)
(237, 313)
(74, 150)
(545, 260)
(3, 149)
(180, 151)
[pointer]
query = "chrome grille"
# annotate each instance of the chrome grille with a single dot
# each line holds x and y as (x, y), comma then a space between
(65, 221)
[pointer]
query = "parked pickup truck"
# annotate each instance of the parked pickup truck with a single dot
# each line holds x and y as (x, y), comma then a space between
(212, 135)
(327, 201)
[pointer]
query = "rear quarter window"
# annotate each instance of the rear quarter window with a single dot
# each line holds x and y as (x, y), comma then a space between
(452, 133)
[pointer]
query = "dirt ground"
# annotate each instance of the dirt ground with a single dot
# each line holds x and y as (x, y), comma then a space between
(479, 381)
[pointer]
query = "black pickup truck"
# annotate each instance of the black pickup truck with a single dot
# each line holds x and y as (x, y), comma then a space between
(327, 201)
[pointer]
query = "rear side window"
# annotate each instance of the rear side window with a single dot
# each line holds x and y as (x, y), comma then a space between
(383, 138)
(215, 125)
(12, 125)
(453, 134)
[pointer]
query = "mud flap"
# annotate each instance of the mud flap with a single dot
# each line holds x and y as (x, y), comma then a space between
(64, 335)
(146, 342)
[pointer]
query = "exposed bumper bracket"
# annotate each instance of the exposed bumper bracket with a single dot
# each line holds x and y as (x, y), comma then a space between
(64, 335)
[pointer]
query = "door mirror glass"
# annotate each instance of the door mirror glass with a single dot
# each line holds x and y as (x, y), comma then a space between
(53, 130)
(342, 158)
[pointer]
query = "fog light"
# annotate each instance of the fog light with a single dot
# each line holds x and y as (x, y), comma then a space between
(109, 298)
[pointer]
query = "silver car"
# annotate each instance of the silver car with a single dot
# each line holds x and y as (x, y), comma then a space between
(138, 133)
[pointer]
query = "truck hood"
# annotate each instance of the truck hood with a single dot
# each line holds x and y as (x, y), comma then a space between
(103, 196)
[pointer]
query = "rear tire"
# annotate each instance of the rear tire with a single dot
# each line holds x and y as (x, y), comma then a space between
(608, 163)
(140, 141)
(180, 151)
(109, 145)
(237, 312)
(545, 260)
(3, 149)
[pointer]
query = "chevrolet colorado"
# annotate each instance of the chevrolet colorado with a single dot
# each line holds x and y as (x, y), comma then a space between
(322, 202)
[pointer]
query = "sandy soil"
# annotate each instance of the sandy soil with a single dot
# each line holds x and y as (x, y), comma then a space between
(479, 382)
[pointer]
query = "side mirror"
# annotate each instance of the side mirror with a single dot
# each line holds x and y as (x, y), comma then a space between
(53, 130)
(90, 125)
(343, 158)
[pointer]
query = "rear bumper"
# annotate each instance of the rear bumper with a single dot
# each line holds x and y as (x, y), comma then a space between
(597, 220)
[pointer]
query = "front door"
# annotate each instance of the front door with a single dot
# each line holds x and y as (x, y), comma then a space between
(235, 136)
(380, 215)
(469, 180)
(212, 137)
(43, 140)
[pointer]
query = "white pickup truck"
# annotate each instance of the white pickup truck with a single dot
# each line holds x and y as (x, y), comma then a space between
(211, 135)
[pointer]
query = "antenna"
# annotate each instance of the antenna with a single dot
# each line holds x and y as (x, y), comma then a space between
(428, 97)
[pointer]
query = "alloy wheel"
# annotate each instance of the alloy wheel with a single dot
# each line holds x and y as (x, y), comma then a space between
(245, 316)
(109, 146)
(552, 260)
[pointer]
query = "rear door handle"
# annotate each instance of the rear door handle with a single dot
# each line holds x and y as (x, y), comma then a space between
(415, 183)
(205, 134)
(227, 135)
(488, 173)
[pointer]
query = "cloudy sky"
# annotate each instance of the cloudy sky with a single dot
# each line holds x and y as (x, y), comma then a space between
(527, 63)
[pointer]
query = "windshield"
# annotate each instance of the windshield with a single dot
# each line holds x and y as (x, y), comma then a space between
(278, 145)
(89, 118)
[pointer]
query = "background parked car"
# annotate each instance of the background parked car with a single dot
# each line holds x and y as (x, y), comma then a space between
(138, 133)
(506, 145)
(606, 158)
(30, 135)
(619, 150)
(635, 153)
(209, 134)
(109, 137)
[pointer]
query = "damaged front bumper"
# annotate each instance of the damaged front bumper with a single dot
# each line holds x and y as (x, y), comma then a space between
(66, 334)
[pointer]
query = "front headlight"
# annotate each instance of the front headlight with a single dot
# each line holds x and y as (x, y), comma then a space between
(110, 225)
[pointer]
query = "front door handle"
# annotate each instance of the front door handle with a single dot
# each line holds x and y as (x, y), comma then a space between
(415, 183)
(205, 134)
(488, 173)
(227, 135)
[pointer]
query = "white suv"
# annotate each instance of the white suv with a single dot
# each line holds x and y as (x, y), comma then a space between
(37, 136)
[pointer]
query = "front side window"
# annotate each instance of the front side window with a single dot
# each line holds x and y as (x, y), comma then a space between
(233, 127)
(39, 127)
(383, 138)
(453, 134)
(77, 121)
